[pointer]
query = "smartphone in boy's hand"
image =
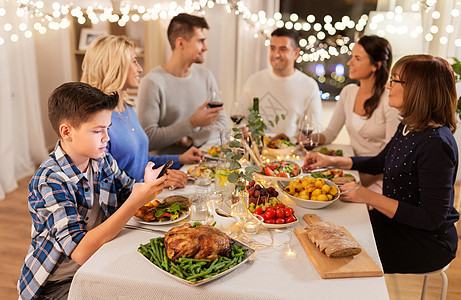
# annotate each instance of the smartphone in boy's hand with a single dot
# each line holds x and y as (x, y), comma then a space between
(152, 172)
(168, 164)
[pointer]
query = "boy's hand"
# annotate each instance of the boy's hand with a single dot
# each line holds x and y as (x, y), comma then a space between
(144, 192)
(149, 173)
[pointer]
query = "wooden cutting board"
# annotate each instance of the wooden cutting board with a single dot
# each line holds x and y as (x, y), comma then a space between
(360, 265)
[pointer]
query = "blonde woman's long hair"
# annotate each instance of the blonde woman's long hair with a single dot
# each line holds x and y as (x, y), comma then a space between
(106, 64)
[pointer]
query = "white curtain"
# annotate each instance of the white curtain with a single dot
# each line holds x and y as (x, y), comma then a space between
(22, 143)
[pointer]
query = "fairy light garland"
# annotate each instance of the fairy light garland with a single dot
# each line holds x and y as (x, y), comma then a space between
(314, 47)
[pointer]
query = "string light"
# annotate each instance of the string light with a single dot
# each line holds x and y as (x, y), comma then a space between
(259, 23)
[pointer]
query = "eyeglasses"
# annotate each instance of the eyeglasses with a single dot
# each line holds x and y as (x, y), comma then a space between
(396, 81)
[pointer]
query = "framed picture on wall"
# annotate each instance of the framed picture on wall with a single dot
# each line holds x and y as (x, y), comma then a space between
(87, 35)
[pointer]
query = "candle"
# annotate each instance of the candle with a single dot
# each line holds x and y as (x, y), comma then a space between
(252, 225)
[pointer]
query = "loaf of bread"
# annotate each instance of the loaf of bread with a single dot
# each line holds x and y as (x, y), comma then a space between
(331, 240)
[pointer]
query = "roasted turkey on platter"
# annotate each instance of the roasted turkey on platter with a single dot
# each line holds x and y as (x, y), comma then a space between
(200, 242)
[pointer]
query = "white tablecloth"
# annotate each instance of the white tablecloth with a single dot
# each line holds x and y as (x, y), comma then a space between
(118, 271)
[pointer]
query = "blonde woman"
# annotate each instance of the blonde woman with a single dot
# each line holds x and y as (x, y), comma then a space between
(110, 64)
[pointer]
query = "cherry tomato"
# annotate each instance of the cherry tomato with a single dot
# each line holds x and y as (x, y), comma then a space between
(280, 205)
(283, 174)
(284, 163)
(273, 167)
(294, 171)
(269, 221)
(270, 208)
(259, 211)
(269, 214)
(280, 221)
(268, 171)
(337, 172)
(280, 213)
(288, 211)
(291, 219)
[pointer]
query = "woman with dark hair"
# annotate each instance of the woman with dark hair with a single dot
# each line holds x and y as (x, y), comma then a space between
(363, 107)
(413, 220)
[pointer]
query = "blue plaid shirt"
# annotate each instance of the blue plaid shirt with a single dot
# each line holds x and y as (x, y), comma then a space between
(59, 203)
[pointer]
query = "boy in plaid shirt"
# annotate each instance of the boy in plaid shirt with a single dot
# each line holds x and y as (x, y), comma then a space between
(78, 198)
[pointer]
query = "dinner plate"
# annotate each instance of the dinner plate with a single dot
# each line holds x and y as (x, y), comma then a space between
(321, 170)
(156, 223)
(248, 255)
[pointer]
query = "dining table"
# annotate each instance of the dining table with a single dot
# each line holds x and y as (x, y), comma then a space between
(280, 268)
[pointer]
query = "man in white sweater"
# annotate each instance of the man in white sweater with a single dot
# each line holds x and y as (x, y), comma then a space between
(173, 98)
(282, 89)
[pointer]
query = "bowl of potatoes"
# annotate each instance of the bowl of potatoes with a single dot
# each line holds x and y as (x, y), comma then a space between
(309, 192)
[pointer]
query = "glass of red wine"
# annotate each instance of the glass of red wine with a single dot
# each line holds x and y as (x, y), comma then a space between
(236, 113)
(215, 100)
(309, 134)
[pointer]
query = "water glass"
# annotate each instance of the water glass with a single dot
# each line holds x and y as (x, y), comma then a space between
(199, 208)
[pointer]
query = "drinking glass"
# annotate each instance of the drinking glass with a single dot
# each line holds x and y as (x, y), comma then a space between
(199, 207)
(236, 113)
(309, 134)
(215, 99)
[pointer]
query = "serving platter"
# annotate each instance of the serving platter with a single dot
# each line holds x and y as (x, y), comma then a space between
(249, 255)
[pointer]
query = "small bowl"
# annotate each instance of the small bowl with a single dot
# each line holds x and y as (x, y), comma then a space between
(311, 204)
(203, 181)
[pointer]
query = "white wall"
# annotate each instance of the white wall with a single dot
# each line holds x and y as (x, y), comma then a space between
(53, 68)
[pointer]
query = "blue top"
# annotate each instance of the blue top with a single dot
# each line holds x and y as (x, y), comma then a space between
(419, 170)
(129, 145)
(59, 203)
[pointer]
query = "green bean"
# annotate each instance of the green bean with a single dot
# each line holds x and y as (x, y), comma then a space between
(178, 270)
(181, 259)
(201, 274)
(219, 266)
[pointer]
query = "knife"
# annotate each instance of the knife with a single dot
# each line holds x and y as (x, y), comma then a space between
(144, 229)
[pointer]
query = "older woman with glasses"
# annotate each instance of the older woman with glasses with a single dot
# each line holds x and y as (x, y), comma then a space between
(413, 220)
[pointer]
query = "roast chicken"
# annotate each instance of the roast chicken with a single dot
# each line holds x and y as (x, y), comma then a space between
(201, 242)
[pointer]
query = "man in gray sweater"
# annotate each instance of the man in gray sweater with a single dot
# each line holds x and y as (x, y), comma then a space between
(173, 98)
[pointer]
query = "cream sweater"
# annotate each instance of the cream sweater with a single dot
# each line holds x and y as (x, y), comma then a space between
(293, 96)
(375, 132)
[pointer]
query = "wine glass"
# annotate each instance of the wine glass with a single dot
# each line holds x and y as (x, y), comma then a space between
(236, 113)
(309, 134)
(215, 99)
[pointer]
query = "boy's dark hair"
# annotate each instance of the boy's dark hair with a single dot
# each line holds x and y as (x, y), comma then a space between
(292, 34)
(76, 102)
(183, 26)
